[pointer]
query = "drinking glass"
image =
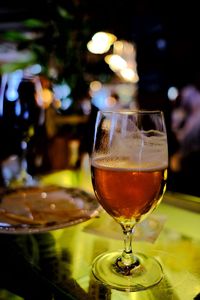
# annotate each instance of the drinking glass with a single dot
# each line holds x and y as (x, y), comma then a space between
(129, 165)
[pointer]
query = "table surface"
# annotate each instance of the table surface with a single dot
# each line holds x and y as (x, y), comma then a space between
(57, 264)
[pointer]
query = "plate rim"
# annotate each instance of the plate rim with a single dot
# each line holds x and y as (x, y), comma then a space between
(23, 228)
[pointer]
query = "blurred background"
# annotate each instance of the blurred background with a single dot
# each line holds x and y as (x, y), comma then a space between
(61, 61)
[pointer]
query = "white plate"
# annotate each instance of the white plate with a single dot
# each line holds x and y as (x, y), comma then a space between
(40, 209)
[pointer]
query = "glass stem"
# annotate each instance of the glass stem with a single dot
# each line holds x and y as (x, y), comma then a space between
(127, 255)
(127, 261)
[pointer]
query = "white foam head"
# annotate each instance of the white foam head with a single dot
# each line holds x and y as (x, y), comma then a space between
(147, 150)
(125, 141)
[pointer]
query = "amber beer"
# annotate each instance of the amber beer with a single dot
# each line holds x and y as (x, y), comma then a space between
(127, 193)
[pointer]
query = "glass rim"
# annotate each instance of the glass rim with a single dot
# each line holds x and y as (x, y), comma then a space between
(131, 111)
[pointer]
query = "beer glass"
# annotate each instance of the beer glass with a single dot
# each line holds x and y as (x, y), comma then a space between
(129, 171)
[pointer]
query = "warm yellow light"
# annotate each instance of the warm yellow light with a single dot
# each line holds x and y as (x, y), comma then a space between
(111, 101)
(129, 75)
(95, 86)
(97, 48)
(101, 42)
(118, 47)
(104, 37)
(44, 98)
(116, 62)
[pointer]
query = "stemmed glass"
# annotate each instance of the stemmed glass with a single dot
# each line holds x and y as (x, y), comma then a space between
(129, 171)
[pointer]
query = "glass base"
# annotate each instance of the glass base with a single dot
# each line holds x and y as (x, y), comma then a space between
(147, 273)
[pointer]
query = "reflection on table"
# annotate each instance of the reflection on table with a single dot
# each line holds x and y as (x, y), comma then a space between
(57, 264)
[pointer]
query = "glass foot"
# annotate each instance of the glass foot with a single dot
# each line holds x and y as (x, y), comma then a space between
(147, 273)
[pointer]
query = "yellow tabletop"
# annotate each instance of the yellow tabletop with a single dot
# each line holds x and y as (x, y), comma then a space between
(61, 259)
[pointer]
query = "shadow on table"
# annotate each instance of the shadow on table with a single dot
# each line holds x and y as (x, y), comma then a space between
(31, 269)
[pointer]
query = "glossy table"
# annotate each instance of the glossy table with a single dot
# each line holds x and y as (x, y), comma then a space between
(56, 265)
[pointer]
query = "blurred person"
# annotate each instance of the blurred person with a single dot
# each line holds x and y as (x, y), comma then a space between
(185, 162)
